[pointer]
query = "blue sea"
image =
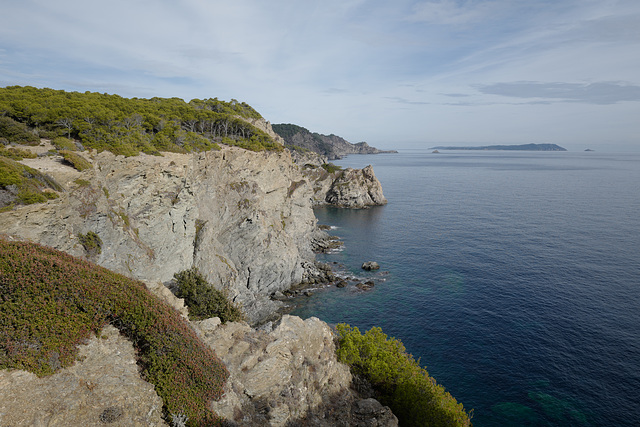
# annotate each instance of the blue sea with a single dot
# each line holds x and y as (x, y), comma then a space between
(513, 276)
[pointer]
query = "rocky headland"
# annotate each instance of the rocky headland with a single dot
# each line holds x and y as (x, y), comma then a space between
(219, 195)
(331, 146)
(245, 220)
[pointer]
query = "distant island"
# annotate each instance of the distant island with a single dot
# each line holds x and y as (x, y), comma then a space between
(522, 147)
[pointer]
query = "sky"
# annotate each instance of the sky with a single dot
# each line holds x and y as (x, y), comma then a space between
(397, 74)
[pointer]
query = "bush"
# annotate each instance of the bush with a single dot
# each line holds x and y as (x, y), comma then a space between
(62, 143)
(92, 242)
(16, 153)
(398, 380)
(26, 184)
(50, 302)
(76, 160)
(331, 168)
(17, 132)
(205, 301)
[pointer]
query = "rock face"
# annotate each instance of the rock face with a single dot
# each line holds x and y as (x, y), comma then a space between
(356, 188)
(287, 375)
(104, 388)
(331, 146)
(349, 188)
(244, 219)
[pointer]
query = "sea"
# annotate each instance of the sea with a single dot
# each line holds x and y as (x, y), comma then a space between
(514, 278)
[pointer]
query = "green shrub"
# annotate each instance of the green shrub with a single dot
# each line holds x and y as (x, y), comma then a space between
(205, 301)
(92, 242)
(28, 197)
(76, 160)
(398, 380)
(16, 153)
(24, 183)
(50, 302)
(331, 168)
(14, 131)
(62, 143)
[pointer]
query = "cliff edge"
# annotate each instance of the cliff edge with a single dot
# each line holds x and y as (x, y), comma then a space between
(243, 218)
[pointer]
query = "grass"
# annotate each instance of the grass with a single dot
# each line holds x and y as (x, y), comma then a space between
(16, 153)
(50, 302)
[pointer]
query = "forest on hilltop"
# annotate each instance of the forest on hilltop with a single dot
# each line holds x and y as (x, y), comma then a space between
(128, 126)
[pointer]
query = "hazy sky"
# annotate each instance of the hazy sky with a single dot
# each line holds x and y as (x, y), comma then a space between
(394, 73)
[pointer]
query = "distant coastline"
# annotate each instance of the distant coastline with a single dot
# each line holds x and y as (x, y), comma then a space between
(521, 147)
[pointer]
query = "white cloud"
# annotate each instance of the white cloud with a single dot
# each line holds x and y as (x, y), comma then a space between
(364, 69)
(452, 12)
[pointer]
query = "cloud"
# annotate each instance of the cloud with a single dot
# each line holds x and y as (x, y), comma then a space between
(451, 12)
(602, 93)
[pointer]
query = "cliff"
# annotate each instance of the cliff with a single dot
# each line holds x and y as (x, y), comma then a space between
(331, 146)
(243, 218)
(348, 188)
(274, 376)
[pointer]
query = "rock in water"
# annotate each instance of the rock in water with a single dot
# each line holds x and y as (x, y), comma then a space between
(356, 188)
(370, 265)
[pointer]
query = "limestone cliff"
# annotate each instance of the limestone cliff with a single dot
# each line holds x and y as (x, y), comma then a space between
(349, 188)
(244, 219)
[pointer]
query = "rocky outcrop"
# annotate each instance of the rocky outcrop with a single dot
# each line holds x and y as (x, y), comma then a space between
(356, 188)
(331, 146)
(244, 219)
(282, 376)
(103, 388)
(349, 188)
(287, 375)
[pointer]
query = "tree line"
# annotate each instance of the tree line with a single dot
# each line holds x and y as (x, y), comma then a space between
(132, 125)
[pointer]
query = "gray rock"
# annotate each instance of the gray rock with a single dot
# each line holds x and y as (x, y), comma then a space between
(370, 265)
(244, 219)
(104, 387)
(276, 377)
(370, 413)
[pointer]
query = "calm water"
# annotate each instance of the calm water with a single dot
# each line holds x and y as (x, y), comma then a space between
(514, 277)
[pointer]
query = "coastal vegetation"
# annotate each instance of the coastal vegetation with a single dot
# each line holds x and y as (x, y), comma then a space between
(398, 380)
(331, 168)
(50, 302)
(20, 184)
(205, 301)
(128, 126)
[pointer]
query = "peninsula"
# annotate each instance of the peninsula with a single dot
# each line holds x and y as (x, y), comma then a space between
(148, 248)
(521, 147)
(331, 146)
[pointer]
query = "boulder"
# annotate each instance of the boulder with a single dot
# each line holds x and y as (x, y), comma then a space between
(370, 265)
